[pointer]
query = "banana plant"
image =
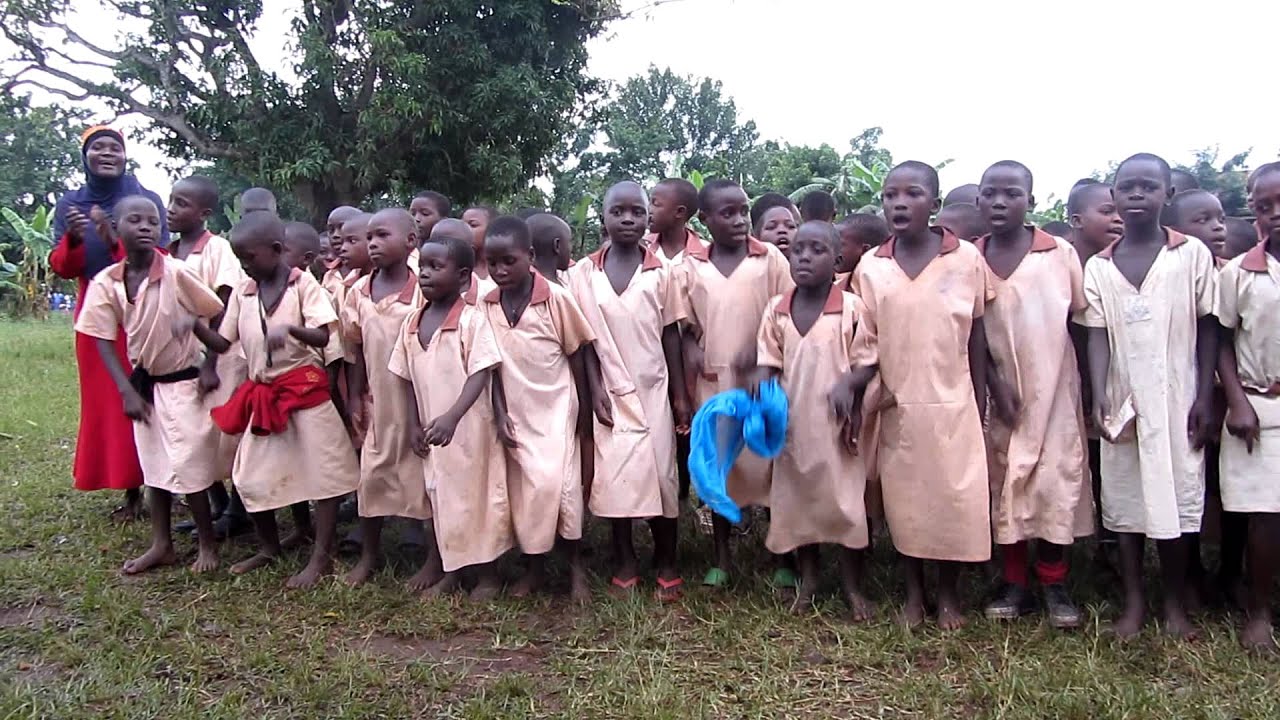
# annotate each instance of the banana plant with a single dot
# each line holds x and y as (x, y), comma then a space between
(26, 280)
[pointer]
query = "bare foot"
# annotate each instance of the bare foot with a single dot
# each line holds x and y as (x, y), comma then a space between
(803, 602)
(913, 615)
(156, 556)
(206, 560)
(861, 609)
(426, 578)
(1129, 624)
(297, 538)
(950, 615)
(486, 590)
(310, 575)
(579, 588)
(361, 573)
(259, 560)
(528, 584)
(1177, 625)
(1257, 637)
(447, 584)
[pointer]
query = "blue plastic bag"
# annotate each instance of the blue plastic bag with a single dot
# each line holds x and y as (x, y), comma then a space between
(722, 427)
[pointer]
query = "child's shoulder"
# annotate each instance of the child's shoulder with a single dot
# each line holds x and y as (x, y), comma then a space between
(110, 274)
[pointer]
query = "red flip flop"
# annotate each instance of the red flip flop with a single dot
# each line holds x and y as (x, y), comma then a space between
(669, 590)
(623, 587)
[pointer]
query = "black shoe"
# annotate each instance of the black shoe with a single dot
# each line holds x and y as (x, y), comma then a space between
(229, 525)
(347, 509)
(186, 526)
(1063, 614)
(1011, 602)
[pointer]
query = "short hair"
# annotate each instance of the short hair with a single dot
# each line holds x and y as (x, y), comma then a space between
(1193, 182)
(963, 219)
(361, 217)
(489, 212)
(827, 229)
(817, 205)
(266, 227)
(302, 236)
(1241, 235)
(512, 227)
(542, 231)
(457, 241)
(1012, 165)
(118, 211)
(930, 174)
(1264, 169)
(711, 187)
(686, 193)
(1057, 228)
(206, 190)
(1174, 211)
(1081, 191)
(866, 228)
(615, 186)
(765, 203)
(442, 203)
(344, 213)
(257, 199)
(402, 217)
(966, 194)
(1166, 172)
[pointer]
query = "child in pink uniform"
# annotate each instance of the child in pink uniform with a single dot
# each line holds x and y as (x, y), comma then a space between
(446, 356)
(925, 293)
(157, 300)
(539, 328)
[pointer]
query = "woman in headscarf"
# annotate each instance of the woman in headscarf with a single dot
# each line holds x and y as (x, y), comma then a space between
(106, 458)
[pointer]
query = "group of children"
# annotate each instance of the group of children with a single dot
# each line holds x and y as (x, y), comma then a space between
(953, 373)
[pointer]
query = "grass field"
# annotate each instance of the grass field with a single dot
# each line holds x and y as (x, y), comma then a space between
(77, 640)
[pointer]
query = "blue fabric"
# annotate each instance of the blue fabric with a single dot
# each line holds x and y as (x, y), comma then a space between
(722, 427)
(104, 192)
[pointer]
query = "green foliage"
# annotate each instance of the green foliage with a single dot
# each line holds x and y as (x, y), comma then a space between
(39, 151)
(468, 99)
(1226, 181)
(25, 281)
(1053, 210)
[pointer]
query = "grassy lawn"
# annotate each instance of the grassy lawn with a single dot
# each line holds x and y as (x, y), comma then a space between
(78, 640)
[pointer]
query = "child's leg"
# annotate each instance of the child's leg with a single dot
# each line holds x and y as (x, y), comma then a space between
(579, 589)
(851, 565)
(1173, 575)
(370, 551)
(131, 509)
(1134, 614)
(321, 562)
(1264, 551)
(720, 536)
(666, 532)
(624, 554)
(1235, 535)
(234, 519)
(531, 580)
(218, 498)
(302, 530)
(432, 575)
(913, 572)
(161, 550)
(950, 608)
(202, 514)
(1013, 598)
(808, 586)
(488, 583)
(264, 523)
(1051, 571)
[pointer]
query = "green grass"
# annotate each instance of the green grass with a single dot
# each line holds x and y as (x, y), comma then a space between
(78, 640)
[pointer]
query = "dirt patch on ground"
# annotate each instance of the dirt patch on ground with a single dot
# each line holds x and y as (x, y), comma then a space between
(18, 553)
(33, 615)
(472, 652)
(38, 673)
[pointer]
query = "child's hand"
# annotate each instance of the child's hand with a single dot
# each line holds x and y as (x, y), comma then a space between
(1101, 414)
(683, 415)
(440, 431)
(603, 411)
(418, 441)
(278, 336)
(1008, 404)
(359, 414)
(843, 398)
(208, 380)
(102, 223)
(136, 407)
(1198, 425)
(850, 430)
(1242, 422)
(77, 223)
(694, 364)
(507, 433)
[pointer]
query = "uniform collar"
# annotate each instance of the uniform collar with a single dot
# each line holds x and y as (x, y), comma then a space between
(649, 262)
(201, 243)
(406, 292)
(251, 285)
(949, 243)
(755, 248)
(352, 278)
(1173, 239)
(541, 290)
(1041, 241)
(455, 313)
(153, 275)
(834, 304)
(1255, 260)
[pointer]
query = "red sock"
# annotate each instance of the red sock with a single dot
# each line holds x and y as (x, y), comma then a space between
(1051, 573)
(1015, 563)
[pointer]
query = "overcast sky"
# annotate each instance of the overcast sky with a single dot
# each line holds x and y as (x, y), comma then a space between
(1064, 86)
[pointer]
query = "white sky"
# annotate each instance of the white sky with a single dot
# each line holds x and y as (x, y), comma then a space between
(1064, 86)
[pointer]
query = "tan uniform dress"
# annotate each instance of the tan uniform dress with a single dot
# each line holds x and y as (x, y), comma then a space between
(1249, 302)
(481, 287)
(390, 473)
(465, 480)
(313, 458)
(332, 282)
(178, 445)
(724, 314)
(933, 464)
(544, 475)
(1152, 483)
(1040, 487)
(818, 485)
(635, 460)
(869, 434)
(214, 261)
(692, 240)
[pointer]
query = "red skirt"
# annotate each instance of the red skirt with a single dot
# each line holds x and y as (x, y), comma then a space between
(106, 458)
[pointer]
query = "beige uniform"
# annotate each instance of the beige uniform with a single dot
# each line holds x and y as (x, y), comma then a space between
(544, 475)
(724, 314)
(1248, 301)
(933, 465)
(390, 473)
(214, 261)
(332, 282)
(692, 240)
(1152, 482)
(869, 435)
(481, 287)
(466, 480)
(818, 485)
(1040, 486)
(178, 445)
(313, 458)
(635, 460)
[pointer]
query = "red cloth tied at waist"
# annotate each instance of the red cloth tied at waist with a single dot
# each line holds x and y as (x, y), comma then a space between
(264, 408)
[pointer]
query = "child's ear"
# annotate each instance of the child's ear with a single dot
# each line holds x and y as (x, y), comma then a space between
(309, 259)
(1031, 201)
(206, 213)
(413, 239)
(1075, 222)
(936, 206)
(277, 247)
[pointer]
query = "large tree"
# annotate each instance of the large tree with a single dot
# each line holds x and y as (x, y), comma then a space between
(468, 98)
(39, 152)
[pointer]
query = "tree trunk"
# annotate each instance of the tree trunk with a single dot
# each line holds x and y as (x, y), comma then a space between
(321, 197)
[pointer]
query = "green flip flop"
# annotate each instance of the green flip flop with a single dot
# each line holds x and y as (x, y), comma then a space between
(716, 577)
(785, 578)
